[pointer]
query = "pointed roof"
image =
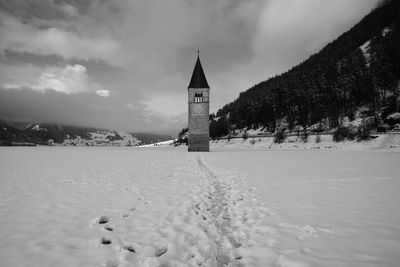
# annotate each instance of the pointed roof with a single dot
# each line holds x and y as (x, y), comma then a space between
(198, 77)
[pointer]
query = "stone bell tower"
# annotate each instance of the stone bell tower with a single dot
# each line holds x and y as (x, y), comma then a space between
(199, 106)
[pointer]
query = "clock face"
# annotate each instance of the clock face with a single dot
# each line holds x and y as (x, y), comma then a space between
(198, 109)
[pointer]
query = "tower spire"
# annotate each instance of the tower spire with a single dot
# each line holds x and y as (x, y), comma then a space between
(198, 77)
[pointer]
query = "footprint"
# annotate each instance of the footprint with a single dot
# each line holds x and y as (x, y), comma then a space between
(105, 241)
(237, 244)
(103, 219)
(130, 248)
(109, 228)
(306, 251)
(160, 251)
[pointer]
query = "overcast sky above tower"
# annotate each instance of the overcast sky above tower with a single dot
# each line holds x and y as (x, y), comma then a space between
(126, 64)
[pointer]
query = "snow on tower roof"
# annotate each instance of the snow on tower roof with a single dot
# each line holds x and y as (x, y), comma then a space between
(198, 77)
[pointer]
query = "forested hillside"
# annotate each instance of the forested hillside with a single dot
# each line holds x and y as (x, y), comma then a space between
(361, 68)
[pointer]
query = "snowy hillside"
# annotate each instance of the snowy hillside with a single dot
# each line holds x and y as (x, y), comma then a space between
(103, 138)
(18, 133)
(165, 207)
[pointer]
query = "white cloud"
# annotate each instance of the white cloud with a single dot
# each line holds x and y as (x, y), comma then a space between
(69, 10)
(71, 79)
(103, 93)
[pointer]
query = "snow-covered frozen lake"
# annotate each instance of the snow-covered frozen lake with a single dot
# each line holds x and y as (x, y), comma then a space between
(124, 206)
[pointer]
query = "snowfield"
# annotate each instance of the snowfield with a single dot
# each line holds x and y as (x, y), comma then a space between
(126, 206)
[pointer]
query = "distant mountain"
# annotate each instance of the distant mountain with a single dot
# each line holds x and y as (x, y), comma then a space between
(147, 138)
(357, 73)
(24, 133)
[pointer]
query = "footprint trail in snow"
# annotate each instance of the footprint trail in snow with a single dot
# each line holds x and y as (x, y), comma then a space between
(219, 223)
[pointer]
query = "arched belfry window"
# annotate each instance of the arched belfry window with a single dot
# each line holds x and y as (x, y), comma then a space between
(198, 98)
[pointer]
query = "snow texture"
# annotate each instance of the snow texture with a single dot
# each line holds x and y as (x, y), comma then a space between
(386, 31)
(365, 48)
(38, 128)
(125, 206)
(394, 116)
(160, 144)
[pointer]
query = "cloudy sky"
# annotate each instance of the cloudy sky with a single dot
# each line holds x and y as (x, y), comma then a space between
(126, 64)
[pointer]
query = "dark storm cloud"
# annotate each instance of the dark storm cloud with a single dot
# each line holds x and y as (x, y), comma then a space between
(16, 58)
(42, 9)
(28, 10)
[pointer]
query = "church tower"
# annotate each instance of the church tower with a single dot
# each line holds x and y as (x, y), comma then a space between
(199, 106)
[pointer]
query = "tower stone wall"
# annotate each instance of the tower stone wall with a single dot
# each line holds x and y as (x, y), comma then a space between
(198, 120)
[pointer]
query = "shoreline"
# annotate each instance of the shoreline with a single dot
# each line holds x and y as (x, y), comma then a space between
(390, 142)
